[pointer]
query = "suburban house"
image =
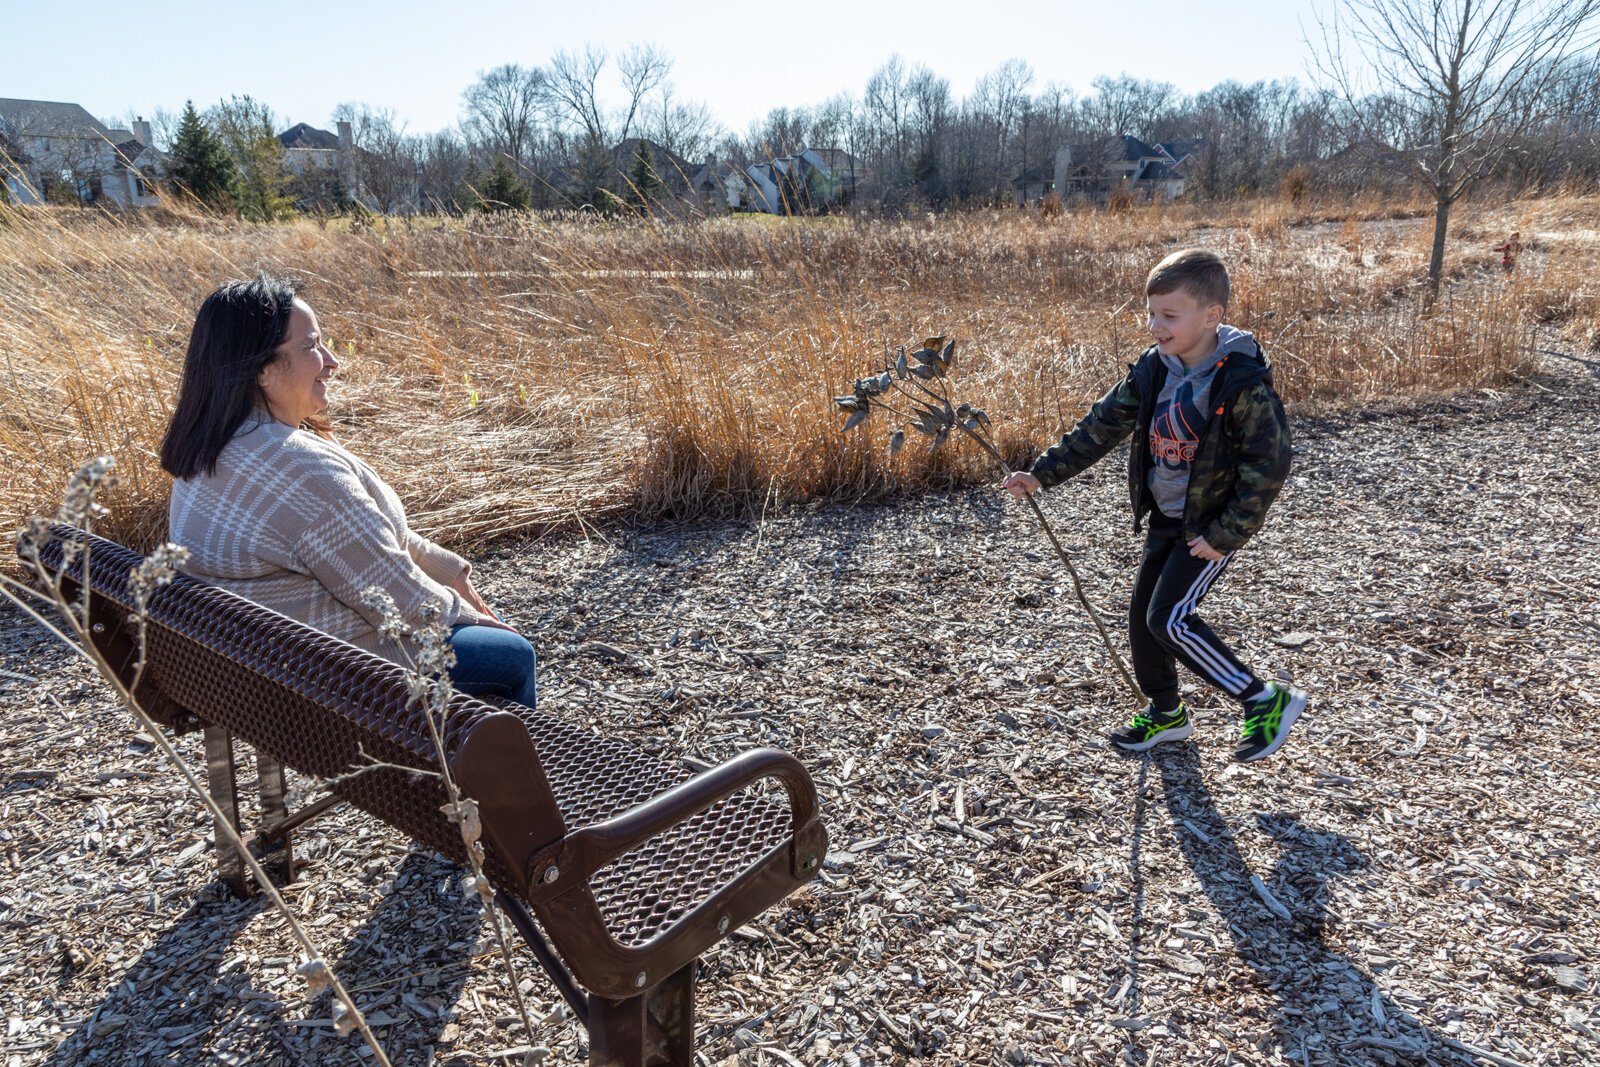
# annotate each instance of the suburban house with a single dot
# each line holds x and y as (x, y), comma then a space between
(811, 180)
(324, 168)
(1094, 170)
(718, 187)
(54, 150)
(1031, 186)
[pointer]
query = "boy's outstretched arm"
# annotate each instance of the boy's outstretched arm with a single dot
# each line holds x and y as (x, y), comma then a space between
(1111, 419)
(1264, 457)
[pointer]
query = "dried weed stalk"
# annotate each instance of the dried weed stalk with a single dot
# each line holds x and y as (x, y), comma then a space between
(919, 382)
(431, 691)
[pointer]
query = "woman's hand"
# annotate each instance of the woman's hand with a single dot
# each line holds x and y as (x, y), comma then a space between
(463, 586)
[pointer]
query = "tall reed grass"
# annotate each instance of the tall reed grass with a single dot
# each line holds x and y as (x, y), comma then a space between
(518, 374)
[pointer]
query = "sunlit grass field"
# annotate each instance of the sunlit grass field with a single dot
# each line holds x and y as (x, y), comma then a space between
(519, 374)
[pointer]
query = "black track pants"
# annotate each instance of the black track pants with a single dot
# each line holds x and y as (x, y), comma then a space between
(1163, 626)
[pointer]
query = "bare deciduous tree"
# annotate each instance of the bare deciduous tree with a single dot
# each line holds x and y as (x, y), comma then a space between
(386, 160)
(1128, 105)
(644, 69)
(573, 82)
(928, 120)
(1445, 87)
(445, 167)
(686, 129)
(782, 132)
(503, 109)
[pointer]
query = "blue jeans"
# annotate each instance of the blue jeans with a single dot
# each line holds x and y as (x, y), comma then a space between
(493, 662)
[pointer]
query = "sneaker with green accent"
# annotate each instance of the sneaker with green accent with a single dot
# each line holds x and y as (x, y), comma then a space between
(1149, 728)
(1267, 721)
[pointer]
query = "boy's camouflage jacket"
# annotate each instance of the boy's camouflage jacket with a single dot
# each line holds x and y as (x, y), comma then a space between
(1240, 463)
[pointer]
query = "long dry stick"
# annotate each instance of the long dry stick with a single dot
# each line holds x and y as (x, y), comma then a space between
(480, 881)
(1072, 571)
(975, 433)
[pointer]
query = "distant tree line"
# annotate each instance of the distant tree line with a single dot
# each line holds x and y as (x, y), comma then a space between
(546, 137)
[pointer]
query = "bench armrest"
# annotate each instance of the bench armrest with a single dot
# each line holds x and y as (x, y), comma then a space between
(573, 860)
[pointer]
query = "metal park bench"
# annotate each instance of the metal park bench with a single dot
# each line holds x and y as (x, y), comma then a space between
(632, 865)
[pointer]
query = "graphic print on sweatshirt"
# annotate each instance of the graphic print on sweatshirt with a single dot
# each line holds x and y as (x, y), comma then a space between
(1175, 430)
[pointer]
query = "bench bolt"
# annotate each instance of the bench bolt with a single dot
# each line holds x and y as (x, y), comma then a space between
(638, 980)
(551, 873)
(722, 924)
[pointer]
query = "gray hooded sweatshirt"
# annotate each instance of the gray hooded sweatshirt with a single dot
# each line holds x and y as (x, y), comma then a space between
(1181, 413)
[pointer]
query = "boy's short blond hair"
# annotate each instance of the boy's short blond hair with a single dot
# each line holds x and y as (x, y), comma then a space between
(1195, 271)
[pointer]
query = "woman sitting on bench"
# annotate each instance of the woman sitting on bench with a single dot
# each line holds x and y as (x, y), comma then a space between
(273, 509)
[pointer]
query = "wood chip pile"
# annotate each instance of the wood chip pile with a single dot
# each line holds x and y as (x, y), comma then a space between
(1413, 879)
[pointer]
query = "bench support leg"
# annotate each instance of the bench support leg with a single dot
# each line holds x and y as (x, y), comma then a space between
(224, 786)
(672, 1006)
(654, 1028)
(553, 967)
(277, 849)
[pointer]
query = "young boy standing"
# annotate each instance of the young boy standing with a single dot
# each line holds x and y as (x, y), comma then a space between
(1211, 451)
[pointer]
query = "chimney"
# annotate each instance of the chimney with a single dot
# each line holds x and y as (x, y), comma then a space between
(347, 159)
(1063, 165)
(141, 130)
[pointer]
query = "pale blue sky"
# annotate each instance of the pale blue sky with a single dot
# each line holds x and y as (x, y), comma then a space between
(303, 59)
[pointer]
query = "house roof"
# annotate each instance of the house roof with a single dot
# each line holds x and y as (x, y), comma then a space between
(669, 166)
(1155, 171)
(840, 162)
(303, 135)
(1134, 149)
(50, 118)
(1179, 148)
(1122, 151)
(131, 151)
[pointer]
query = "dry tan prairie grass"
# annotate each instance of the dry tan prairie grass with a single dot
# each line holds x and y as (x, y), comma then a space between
(516, 374)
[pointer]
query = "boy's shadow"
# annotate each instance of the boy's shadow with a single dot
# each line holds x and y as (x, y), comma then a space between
(1313, 990)
(180, 1002)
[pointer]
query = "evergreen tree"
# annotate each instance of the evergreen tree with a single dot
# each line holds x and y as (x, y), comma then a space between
(925, 176)
(594, 173)
(245, 127)
(200, 163)
(501, 191)
(647, 184)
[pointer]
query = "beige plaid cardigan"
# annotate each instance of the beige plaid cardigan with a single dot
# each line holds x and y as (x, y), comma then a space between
(295, 523)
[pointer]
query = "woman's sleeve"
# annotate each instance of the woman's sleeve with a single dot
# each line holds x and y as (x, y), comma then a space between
(440, 564)
(352, 547)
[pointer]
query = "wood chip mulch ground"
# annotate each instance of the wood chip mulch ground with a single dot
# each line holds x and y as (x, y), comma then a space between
(1414, 879)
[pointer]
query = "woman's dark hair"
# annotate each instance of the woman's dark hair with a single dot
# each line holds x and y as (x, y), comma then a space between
(236, 334)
